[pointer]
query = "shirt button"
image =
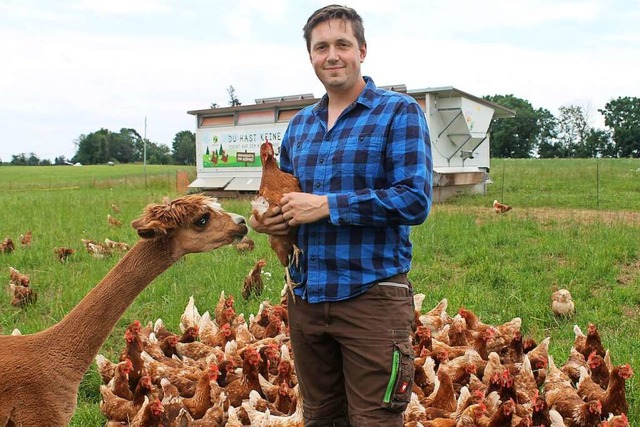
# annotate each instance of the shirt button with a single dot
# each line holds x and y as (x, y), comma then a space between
(317, 185)
(321, 161)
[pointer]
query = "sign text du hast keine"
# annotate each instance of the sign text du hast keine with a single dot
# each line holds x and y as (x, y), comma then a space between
(234, 138)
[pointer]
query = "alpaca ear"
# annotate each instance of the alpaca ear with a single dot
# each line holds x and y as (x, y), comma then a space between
(149, 230)
(146, 233)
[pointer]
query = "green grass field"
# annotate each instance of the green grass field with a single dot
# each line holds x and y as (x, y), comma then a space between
(575, 225)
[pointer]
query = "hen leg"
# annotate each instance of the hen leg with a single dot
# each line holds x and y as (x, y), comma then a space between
(290, 284)
(293, 260)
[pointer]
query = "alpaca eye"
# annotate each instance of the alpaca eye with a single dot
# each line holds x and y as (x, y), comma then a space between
(202, 222)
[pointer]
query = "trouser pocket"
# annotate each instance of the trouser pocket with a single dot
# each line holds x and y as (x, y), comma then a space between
(400, 385)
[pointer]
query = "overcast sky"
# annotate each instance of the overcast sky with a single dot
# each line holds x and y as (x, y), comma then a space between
(71, 67)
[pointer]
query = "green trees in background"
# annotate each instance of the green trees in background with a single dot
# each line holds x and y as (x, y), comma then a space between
(538, 133)
(519, 136)
(622, 116)
(126, 146)
(533, 132)
(184, 148)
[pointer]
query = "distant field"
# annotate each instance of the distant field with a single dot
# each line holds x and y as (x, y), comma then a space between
(18, 178)
(575, 224)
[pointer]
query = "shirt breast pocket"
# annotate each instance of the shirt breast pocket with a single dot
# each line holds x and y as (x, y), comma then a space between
(361, 156)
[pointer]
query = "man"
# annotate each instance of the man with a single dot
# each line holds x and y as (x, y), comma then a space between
(363, 158)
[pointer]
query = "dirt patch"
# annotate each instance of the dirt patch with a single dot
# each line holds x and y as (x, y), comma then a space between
(550, 215)
(628, 273)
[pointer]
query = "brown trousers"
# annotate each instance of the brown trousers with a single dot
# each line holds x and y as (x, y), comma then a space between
(354, 358)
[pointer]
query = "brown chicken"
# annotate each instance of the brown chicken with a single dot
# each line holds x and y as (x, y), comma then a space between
(18, 278)
(617, 421)
(63, 253)
(442, 402)
(245, 245)
(7, 246)
(116, 408)
(22, 295)
(573, 364)
(106, 368)
(120, 382)
(285, 400)
(540, 411)
(525, 383)
(564, 398)
(613, 399)
(119, 246)
(224, 302)
(113, 221)
(239, 389)
(184, 378)
(504, 415)
(599, 370)
(200, 402)
(539, 357)
(253, 284)
(214, 417)
(25, 239)
(150, 415)
(500, 207)
(218, 337)
(460, 368)
(133, 351)
(171, 400)
(586, 344)
(273, 185)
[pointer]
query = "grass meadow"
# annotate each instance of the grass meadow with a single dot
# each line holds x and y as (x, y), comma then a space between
(575, 224)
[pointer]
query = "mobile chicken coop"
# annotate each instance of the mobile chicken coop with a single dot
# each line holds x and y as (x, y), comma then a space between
(228, 140)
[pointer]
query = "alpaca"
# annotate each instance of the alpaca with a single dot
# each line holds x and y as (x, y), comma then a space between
(40, 373)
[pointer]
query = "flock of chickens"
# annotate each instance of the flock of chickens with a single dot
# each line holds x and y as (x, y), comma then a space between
(219, 369)
(22, 294)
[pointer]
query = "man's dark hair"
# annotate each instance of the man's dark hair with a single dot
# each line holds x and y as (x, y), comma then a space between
(334, 11)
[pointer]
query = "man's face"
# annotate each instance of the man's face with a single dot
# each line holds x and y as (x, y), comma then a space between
(335, 54)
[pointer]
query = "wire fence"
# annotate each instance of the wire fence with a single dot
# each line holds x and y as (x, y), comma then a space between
(603, 184)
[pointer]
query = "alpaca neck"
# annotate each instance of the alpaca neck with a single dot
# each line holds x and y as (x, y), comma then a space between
(81, 333)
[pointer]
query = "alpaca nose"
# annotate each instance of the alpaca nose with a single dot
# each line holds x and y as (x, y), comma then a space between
(239, 219)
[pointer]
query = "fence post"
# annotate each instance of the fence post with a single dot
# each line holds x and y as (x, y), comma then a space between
(502, 191)
(597, 185)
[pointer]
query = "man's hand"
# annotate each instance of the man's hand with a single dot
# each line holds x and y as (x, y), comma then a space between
(304, 208)
(271, 222)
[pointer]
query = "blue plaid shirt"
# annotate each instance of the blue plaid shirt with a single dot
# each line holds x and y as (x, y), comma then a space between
(375, 166)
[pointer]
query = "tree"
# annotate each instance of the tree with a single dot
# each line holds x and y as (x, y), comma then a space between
(518, 137)
(158, 154)
(598, 143)
(622, 116)
(60, 161)
(573, 128)
(104, 146)
(184, 148)
(546, 147)
(233, 99)
(19, 159)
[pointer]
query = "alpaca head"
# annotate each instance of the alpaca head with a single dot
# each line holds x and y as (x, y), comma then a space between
(194, 223)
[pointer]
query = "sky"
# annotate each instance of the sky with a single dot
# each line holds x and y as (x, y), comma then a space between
(72, 67)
